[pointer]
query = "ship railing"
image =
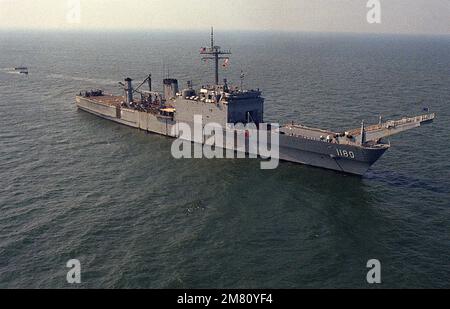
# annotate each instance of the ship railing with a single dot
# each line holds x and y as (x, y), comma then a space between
(421, 118)
(395, 123)
(310, 138)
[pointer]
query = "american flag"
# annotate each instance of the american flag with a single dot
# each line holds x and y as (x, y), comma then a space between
(225, 63)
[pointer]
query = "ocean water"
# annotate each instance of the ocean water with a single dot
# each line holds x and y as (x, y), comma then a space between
(74, 186)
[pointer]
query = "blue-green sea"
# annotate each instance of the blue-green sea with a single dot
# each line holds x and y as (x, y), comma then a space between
(74, 186)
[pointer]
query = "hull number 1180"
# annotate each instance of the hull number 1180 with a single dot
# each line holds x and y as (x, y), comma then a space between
(345, 153)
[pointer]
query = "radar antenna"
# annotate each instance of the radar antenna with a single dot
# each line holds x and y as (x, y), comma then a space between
(214, 53)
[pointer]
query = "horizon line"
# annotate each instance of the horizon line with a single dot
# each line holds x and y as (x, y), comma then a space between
(197, 30)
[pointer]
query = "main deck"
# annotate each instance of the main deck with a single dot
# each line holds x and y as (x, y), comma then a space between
(107, 99)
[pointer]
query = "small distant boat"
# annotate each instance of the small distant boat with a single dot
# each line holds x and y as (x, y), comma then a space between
(22, 70)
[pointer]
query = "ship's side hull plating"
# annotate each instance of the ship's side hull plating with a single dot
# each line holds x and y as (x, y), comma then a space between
(342, 158)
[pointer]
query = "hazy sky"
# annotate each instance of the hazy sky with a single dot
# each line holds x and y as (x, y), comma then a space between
(397, 16)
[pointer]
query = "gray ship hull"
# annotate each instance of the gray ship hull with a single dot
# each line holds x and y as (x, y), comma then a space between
(291, 148)
(325, 155)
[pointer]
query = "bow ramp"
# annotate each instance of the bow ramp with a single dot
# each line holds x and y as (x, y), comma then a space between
(374, 133)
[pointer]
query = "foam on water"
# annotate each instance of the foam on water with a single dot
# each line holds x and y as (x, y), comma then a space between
(93, 81)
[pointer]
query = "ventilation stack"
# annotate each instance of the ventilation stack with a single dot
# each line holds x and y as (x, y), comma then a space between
(170, 88)
(129, 90)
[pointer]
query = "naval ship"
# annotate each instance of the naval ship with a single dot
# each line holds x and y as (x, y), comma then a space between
(353, 151)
